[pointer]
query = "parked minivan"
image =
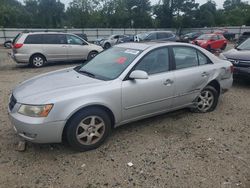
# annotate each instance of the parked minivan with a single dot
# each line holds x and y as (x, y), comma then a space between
(38, 48)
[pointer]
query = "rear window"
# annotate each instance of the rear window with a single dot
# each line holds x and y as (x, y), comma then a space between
(16, 38)
(34, 39)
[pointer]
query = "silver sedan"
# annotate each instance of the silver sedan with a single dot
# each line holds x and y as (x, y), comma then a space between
(126, 83)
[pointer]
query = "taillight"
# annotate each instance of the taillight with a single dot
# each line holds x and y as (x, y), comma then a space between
(17, 45)
(232, 68)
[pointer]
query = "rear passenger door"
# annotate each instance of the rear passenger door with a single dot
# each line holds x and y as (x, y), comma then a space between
(192, 71)
(55, 47)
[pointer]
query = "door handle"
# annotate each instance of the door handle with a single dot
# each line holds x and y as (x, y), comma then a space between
(64, 46)
(205, 74)
(168, 82)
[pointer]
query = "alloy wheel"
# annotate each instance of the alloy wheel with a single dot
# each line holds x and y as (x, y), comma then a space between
(205, 101)
(90, 130)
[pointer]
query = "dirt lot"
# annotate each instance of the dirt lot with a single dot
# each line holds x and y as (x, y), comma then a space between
(180, 149)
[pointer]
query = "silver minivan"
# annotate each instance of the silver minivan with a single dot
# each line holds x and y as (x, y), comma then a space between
(38, 48)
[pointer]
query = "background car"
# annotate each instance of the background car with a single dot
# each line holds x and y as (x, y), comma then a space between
(243, 37)
(106, 43)
(126, 83)
(228, 35)
(39, 48)
(127, 38)
(7, 44)
(211, 41)
(188, 37)
(240, 57)
(156, 36)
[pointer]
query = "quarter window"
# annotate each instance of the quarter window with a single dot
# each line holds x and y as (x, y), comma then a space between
(185, 57)
(155, 62)
(34, 39)
(203, 60)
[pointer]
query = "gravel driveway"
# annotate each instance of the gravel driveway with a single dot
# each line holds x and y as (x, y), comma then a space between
(179, 149)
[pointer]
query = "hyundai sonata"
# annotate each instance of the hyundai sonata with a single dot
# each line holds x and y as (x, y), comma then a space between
(126, 83)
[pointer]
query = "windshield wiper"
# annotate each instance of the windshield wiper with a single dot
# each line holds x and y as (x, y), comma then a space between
(86, 73)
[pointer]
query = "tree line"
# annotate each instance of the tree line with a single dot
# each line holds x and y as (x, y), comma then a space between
(122, 14)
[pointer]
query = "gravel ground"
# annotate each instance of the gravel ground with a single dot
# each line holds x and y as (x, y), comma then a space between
(179, 149)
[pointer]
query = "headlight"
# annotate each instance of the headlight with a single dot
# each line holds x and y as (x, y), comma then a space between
(35, 110)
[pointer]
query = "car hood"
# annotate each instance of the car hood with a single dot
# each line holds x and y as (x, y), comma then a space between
(43, 88)
(238, 54)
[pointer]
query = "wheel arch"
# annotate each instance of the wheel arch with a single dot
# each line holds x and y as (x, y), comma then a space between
(37, 53)
(216, 85)
(105, 108)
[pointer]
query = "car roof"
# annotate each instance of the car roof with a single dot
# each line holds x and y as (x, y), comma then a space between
(44, 32)
(145, 45)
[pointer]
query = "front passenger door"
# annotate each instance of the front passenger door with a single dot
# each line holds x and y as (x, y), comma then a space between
(77, 48)
(152, 95)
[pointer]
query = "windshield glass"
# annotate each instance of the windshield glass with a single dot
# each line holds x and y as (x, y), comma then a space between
(109, 64)
(142, 36)
(245, 45)
(204, 37)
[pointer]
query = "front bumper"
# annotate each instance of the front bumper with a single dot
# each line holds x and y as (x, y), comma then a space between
(36, 130)
(242, 72)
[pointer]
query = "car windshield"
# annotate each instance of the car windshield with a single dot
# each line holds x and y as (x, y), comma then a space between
(245, 45)
(142, 36)
(109, 64)
(204, 37)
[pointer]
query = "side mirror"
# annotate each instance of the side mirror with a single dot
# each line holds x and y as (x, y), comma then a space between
(138, 74)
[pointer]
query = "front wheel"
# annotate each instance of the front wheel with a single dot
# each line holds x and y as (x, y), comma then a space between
(88, 129)
(207, 100)
(91, 55)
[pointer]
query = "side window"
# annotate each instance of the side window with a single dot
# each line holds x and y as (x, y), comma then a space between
(152, 36)
(54, 39)
(34, 39)
(74, 40)
(155, 62)
(185, 57)
(162, 35)
(214, 38)
(203, 60)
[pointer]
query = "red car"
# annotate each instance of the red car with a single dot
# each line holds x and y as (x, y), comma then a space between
(211, 41)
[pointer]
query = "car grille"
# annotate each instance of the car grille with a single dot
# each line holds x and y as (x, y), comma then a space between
(240, 63)
(12, 103)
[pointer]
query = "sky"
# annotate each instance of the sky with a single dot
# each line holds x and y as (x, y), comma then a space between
(219, 3)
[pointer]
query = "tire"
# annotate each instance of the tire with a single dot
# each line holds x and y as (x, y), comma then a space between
(209, 48)
(207, 101)
(107, 46)
(88, 129)
(37, 61)
(91, 55)
(224, 47)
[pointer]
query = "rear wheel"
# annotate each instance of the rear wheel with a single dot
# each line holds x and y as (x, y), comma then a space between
(37, 61)
(207, 100)
(88, 129)
(209, 48)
